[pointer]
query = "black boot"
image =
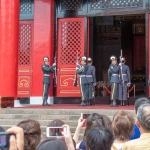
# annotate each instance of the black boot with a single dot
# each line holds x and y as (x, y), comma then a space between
(84, 103)
(88, 102)
(111, 104)
(115, 105)
(93, 101)
(121, 103)
(47, 104)
(44, 102)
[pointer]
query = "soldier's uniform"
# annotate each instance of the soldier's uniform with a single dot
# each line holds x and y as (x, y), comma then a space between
(91, 77)
(124, 82)
(46, 80)
(82, 71)
(113, 77)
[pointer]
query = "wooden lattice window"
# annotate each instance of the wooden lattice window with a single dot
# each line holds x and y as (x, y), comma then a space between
(26, 6)
(71, 4)
(104, 4)
(26, 9)
(25, 46)
(70, 41)
(139, 51)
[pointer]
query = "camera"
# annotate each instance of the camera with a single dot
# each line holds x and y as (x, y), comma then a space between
(84, 116)
(4, 139)
(55, 131)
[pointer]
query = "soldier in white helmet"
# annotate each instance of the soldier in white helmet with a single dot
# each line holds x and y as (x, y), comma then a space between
(113, 78)
(91, 77)
(125, 81)
(46, 79)
(82, 71)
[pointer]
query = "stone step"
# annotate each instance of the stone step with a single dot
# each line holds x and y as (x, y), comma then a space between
(41, 117)
(107, 112)
(11, 117)
(42, 122)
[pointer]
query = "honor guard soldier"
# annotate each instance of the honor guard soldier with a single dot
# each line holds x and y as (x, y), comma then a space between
(113, 77)
(91, 81)
(46, 79)
(124, 81)
(82, 71)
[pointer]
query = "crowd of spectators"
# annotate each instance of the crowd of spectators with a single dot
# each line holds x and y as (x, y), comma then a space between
(122, 133)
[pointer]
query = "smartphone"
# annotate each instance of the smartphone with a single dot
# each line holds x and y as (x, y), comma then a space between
(4, 139)
(55, 131)
(84, 116)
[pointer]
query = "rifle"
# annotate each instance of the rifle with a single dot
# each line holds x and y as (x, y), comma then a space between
(121, 68)
(76, 75)
(55, 74)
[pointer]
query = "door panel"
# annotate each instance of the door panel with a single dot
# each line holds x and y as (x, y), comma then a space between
(70, 41)
(25, 59)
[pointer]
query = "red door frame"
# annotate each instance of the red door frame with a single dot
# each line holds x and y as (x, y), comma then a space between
(66, 73)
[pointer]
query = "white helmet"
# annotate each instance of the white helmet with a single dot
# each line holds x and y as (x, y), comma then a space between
(113, 58)
(83, 58)
(89, 59)
(46, 59)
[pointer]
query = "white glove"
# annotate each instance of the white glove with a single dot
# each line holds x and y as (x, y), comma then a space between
(54, 65)
(81, 69)
(120, 64)
(129, 84)
(94, 84)
(77, 68)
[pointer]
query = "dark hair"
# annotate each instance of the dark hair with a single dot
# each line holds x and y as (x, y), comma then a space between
(99, 138)
(139, 102)
(122, 125)
(52, 144)
(56, 123)
(32, 133)
(143, 116)
(97, 120)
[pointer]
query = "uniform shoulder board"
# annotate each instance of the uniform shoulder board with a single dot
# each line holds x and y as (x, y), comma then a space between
(111, 67)
(43, 66)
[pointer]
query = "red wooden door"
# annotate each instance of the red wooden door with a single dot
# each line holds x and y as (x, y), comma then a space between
(25, 59)
(148, 57)
(70, 41)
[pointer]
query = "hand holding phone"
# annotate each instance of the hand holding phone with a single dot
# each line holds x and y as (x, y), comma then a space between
(55, 131)
(84, 117)
(68, 137)
(4, 139)
(80, 123)
(16, 138)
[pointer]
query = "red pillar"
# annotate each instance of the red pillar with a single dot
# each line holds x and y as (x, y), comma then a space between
(149, 53)
(9, 26)
(43, 42)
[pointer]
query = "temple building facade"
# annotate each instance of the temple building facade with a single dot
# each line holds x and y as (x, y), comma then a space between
(65, 30)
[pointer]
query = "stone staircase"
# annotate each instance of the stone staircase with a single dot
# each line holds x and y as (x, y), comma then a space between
(11, 116)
